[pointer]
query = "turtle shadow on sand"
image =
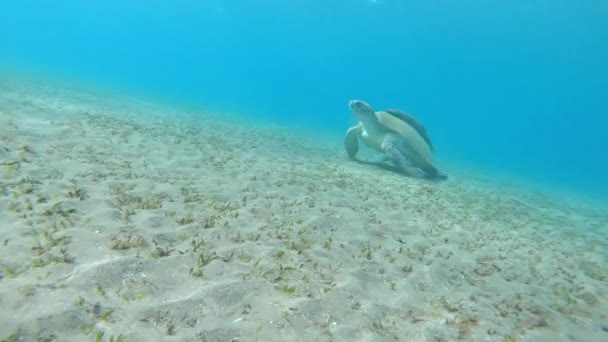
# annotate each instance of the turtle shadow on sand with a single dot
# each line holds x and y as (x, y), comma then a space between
(391, 168)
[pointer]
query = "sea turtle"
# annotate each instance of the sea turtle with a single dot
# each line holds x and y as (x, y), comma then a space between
(397, 135)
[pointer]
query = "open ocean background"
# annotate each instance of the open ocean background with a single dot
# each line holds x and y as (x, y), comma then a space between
(516, 88)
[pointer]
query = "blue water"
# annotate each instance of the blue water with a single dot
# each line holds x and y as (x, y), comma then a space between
(516, 86)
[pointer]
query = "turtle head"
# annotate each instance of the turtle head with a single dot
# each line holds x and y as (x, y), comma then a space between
(360, 109)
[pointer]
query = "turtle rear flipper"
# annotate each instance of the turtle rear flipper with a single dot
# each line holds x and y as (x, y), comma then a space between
(430, 170)
(426, 165)
(397, 150)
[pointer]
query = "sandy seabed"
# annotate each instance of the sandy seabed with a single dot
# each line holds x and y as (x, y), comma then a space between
(127, 221)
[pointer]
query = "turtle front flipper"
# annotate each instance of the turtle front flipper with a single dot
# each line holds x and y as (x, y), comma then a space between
(393, 149)
(351, 142)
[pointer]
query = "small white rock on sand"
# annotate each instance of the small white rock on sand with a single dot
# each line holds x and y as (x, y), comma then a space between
(129, 222)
